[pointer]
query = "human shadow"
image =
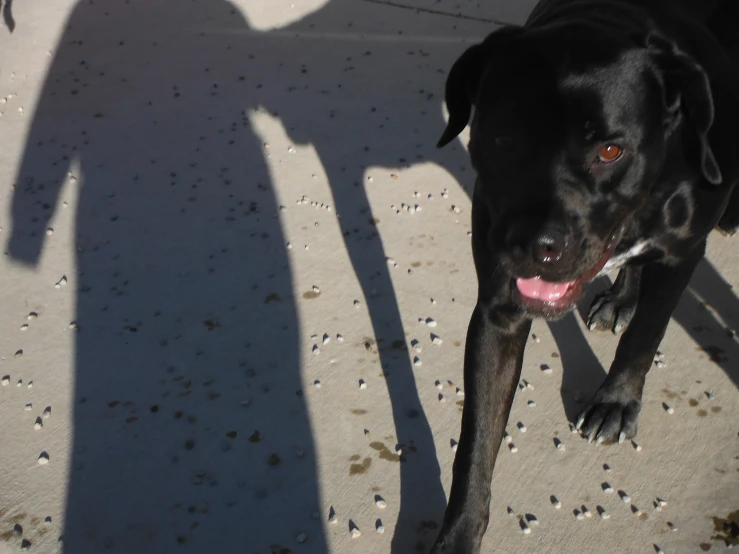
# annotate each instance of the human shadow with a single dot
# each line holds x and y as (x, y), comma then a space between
(187, 321)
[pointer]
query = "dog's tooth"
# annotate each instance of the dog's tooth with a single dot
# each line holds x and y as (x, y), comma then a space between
(602, 512)
(555, 502)
(672, 526)
(625, 498)
(585, 511)
(607, 488)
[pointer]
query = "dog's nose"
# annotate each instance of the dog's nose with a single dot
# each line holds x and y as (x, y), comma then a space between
(550, 246)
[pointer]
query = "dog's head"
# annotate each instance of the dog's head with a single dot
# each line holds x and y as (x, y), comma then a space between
(570, 133)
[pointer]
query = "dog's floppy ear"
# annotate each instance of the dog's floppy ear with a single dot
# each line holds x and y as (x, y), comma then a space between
(463, 82)
(687, 88)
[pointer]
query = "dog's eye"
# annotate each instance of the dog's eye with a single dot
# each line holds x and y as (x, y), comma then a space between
(609, 153)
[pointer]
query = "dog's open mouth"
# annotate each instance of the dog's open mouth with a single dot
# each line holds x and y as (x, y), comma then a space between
(539, 295)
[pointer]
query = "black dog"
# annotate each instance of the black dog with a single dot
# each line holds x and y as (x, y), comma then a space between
(605, 135)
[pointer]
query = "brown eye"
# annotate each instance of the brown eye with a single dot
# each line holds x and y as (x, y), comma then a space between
(609, 153)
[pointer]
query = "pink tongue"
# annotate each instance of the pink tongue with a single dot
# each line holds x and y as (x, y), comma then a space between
(543, 290)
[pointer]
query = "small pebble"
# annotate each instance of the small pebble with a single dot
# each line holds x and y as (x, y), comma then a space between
(357, 303)
(606, 468)
(6, 380)
(507, 437)
(625, 498)
(19, 383)
(380, 502)
(339, 338)
(525, 528)
(38, 424)
(332, 515)
(43, 459)
(603, 513)
(536, 338)
(459, 392)
(454, 445)
(430, 322)
(546, 370)
(636, 446)
(661, 503)
(586, 512)
(49, 231)
(316, 350)
(510, 511)
(436, 340)
(531, 404)
(658, 550)
(438, 384)
(301, 538)
(417, 361)
(521, 427)
(531, 519)
(658, 363)
(607, 488)
(442, 399)
(555, 502)
(379, 527)
(362, 384)
(28, 407)
(25, 545)
(19, 353)
(47, 412)
(636, 511)
(47, 520)
(561, 446)
(24, 327)
(416, 345)
(355, 532)
(528, 385)
(32, 315)
(317, 384)
(578, 514)
(17, 530)
(512, 447)
(316, 289)
(326, 338)
(672, 526)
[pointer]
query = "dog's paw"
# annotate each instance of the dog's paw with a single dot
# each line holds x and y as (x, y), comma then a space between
(611, 311)
(610, 416)
(462, 537)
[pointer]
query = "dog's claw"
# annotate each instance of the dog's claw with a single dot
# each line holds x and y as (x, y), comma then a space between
(580, 422)
(621, 437)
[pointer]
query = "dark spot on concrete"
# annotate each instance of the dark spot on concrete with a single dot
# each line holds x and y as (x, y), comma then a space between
(178, 414)
(727, 528)
(310, 295)
(232, 434)
(693, 402)
(212, 395)
(716, 409)
(6, 536)
(376, 489)
(460, 403)
(274, 460)
(154, 409)
(701, 413)
(189, 444)
(358, 411)
(704, 546)
(360, 469)
(457, 343)
(555, 354)
(131, 419)
(384, 451)
(210, 324)
(671, 394)
(398, 344)
(412, 413)
(256, 436)
(354, 457)
(416, 264)
(113, 403)
(274, 297)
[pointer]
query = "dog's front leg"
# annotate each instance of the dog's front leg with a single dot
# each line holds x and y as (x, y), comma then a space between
(612, 413)
(492, 367)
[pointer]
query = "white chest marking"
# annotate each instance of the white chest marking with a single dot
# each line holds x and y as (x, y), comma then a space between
(618, 261)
